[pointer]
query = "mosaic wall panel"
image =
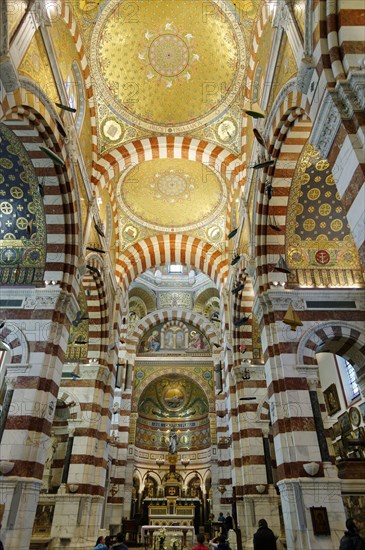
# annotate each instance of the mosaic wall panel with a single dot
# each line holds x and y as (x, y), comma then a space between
(22, 219)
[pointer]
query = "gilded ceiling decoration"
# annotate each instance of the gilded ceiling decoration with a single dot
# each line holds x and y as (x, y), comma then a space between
(286, 69)
(318, 234)
(22, 219)
(36, 66)
(170, 193)
(169, 47)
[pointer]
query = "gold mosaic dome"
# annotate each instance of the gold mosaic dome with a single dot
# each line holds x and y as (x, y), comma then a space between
(168, 47)
(172, 193)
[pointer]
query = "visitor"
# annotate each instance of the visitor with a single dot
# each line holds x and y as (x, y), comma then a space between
(201, 540)
(229, 522)
(100, 544)
(1, 544)
(119, 545)
(264, 538)
(221, 517)
(351, 539)
(108, 541)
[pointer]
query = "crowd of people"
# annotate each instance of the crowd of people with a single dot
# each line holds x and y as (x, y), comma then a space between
(263, 539)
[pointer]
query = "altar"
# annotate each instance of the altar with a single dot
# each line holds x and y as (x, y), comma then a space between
(185, 534)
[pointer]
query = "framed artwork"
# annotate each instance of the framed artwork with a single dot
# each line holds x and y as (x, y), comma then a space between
(331, 399)
(344, 421)
(336, 429)
(362, 410)
(320, 523)
(355, 416)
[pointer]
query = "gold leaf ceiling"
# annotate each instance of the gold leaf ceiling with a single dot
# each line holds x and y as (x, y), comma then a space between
(172, 193)
(168, 66)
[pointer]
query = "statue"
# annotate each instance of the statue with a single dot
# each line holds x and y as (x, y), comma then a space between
(173, 443)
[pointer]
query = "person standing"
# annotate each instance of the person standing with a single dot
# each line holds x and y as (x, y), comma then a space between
(1, 544)
(100, 544)
(119, 545)
(351, 539)
(201, 540)
(264, 538)
(229, 522)
(221, 517)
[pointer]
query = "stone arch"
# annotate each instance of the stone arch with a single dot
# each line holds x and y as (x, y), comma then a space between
(146, 381)
(265, 411)
(16, 341)
(112, 164)
(72, 402)
(337, 337)
(94, 285)
(171, 248)
(34, 128)
(165, 316)
(286, 144)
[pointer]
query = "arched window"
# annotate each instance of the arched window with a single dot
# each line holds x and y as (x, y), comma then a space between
(351, 375)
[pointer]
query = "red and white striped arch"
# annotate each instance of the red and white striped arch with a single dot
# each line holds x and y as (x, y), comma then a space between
(16, 341)
(171, 248)
(112, 164)
(97, 308)
(288, 138)
(33, 126)
(342, 338)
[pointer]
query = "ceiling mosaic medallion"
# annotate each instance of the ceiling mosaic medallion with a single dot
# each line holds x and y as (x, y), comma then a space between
(146, 61)
(168, 194)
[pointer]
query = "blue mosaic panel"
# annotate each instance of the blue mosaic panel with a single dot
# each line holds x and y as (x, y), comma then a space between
(22, 218)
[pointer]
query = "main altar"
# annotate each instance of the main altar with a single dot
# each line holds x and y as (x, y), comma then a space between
(171, 514)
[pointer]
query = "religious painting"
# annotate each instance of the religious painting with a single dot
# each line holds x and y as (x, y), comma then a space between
(320, 521)
(336, 430)
(43, 519)
(331, 399)
(345, 423)
(174, 337)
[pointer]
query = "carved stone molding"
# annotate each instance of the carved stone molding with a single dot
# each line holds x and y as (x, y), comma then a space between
(8, 74)
(290, 86)
(305, 74)
(10, 382)
(280, 300)
(326, 127)
(14, 369)
(352, 90)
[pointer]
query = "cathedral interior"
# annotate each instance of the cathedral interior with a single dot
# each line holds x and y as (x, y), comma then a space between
(182, 254)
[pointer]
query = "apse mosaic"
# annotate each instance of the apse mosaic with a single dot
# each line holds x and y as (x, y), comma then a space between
(22, 219)
(173, 402)
(318, 234)
(174, 337)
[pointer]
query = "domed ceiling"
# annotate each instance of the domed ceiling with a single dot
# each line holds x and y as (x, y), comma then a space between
(172, 193)
(173, 402)
(185, 61)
